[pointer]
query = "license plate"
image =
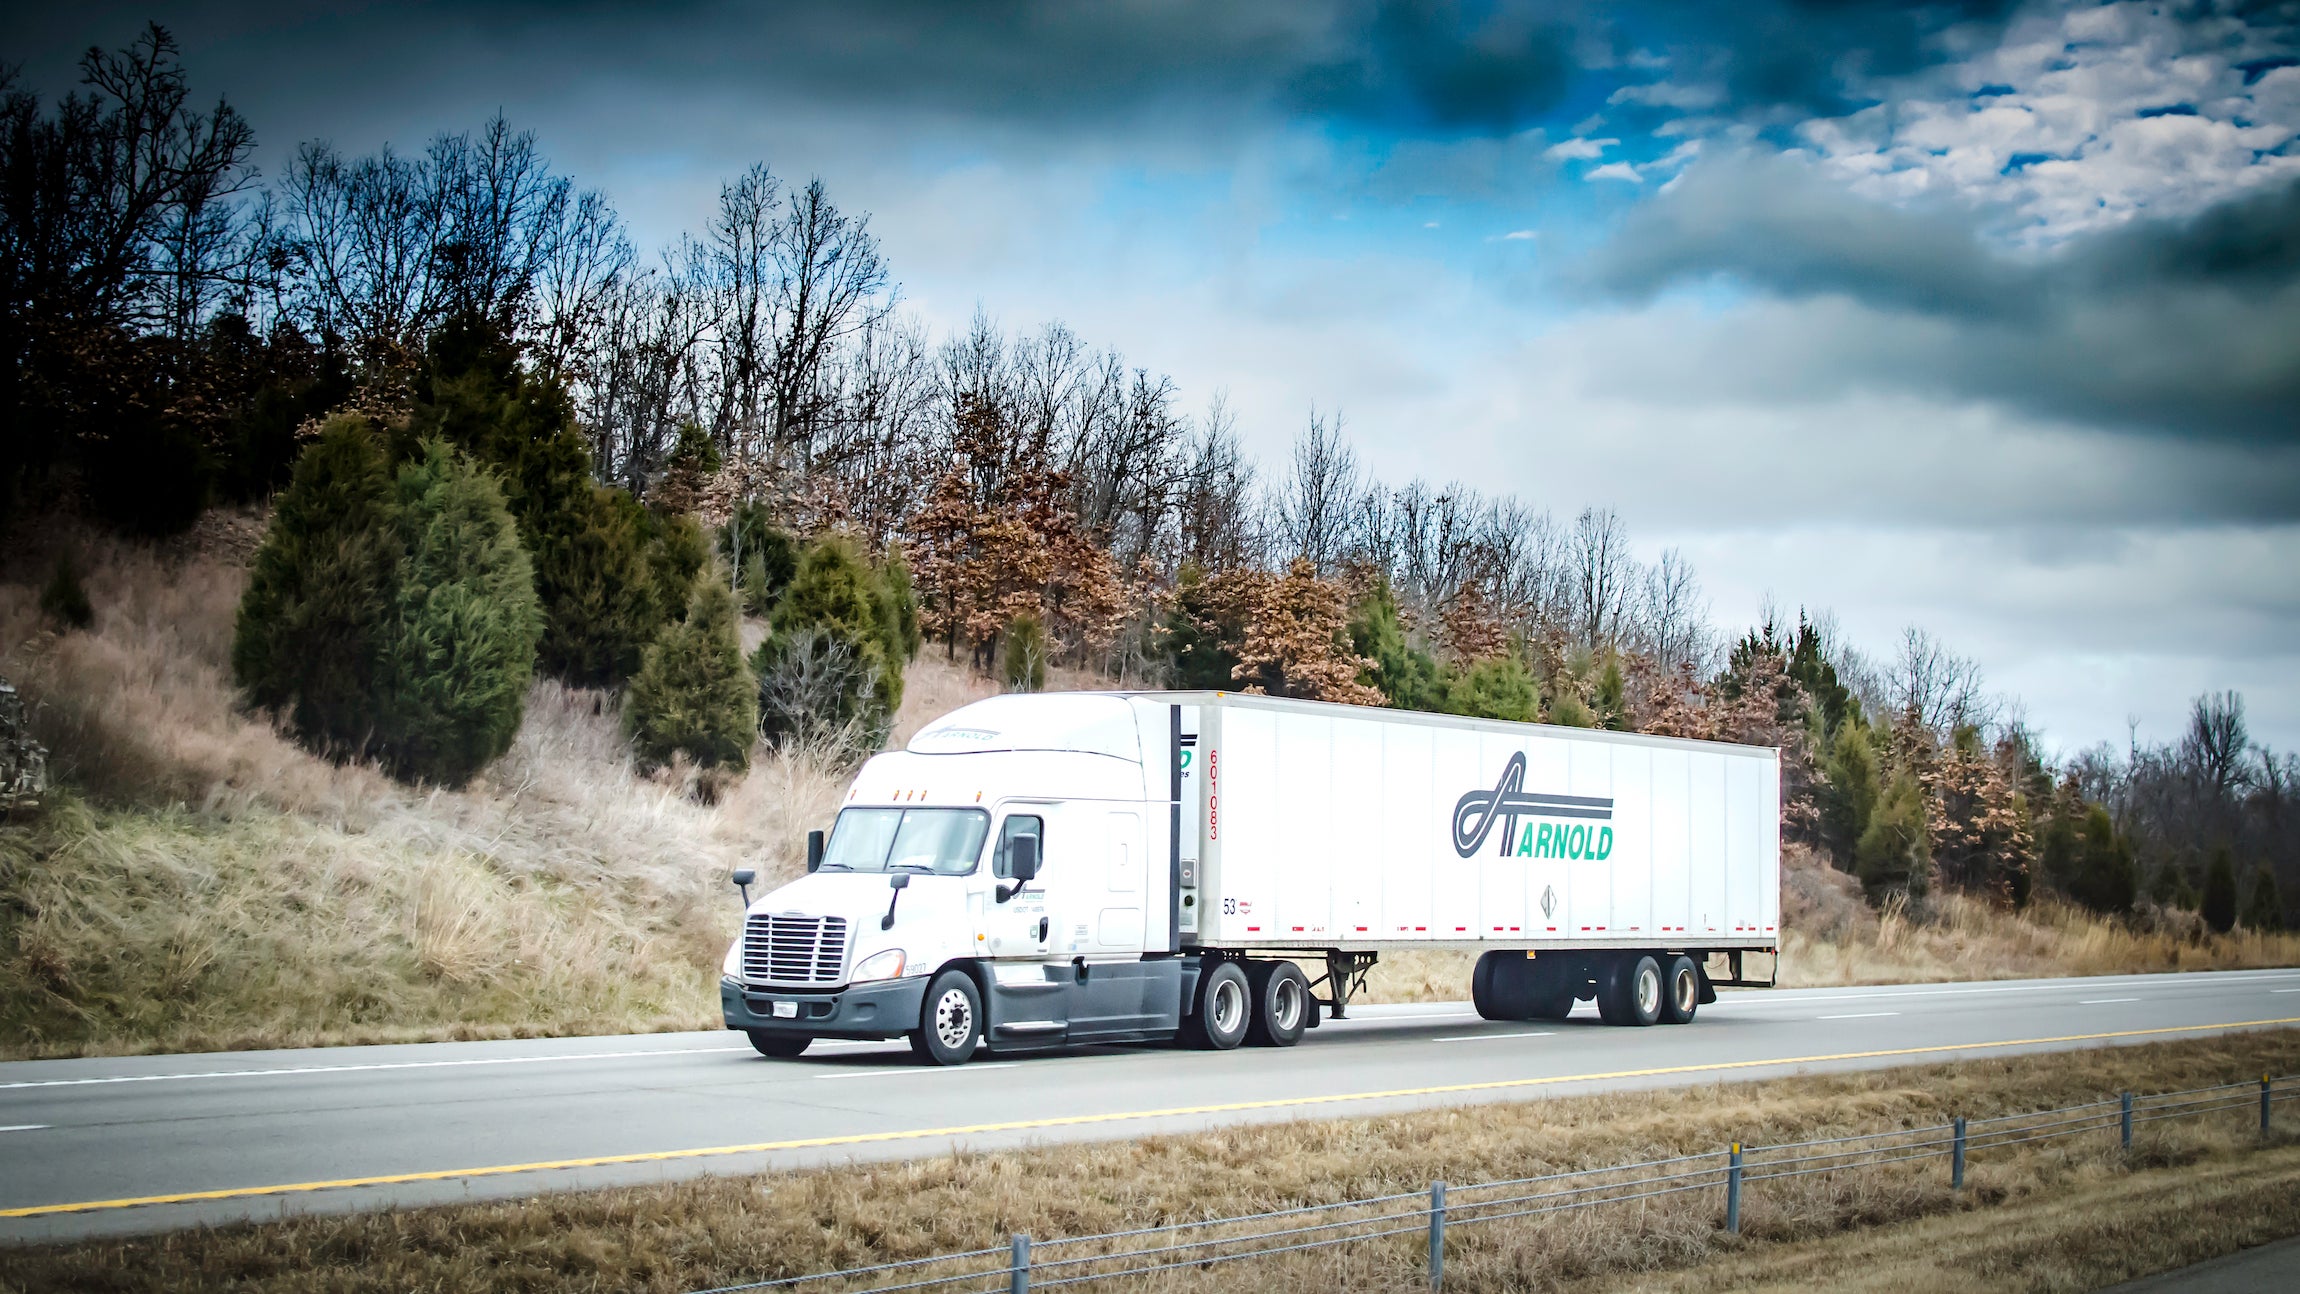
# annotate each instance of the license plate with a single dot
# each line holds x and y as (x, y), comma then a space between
(786, 1010)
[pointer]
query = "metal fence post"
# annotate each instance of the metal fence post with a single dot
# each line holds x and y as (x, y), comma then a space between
(2124, 1121)
(1437, 1235)
(1733, 1191)
(1018, 1274)
(2264, 1105)
(1957, 1158)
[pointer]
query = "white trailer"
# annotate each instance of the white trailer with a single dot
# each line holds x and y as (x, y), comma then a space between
(1035, 871)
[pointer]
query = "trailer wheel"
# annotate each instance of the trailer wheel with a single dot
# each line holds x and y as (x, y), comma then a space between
(950, 1020)
(1549, 990)
(1629, 991)
(1281, 1004)
(781, 1046)
(1218, 1022)
(1483, 982)
(1680, 991)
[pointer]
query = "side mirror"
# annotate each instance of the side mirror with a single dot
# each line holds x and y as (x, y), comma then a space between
(896, 882)
(814, 850)
(1022, 859)
(743, 878)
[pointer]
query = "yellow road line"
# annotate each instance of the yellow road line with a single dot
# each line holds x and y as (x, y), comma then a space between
(1078, 1120)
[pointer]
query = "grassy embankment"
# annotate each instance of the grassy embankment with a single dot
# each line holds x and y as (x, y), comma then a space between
(2041, 1215)
(205, 883)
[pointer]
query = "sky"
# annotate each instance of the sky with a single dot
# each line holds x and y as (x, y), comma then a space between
(1981, 316)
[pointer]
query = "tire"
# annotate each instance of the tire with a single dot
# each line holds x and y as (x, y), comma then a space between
(1481, 986)
(1629, 990)
(781, 1046)
(950, 1020)
(1219, 1019)
(1281, 1004)
(1680, 991)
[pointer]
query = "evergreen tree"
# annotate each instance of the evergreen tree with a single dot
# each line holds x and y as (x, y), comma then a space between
(2219, 906)
(2165, 889)
(1612, 705)
(2103, 875)
(1851, 791)
(605, 611)
(2265, 913)
(1408, 677)
(312, 623)
(898, 607)
(1892, 853)
(764, 555)
(1201, 633)
(63, 599)
(461, 650)
(676, 555)
(1568, 710)
(833, 601)
(692, 694)
(1022, 655)
(1498, 687)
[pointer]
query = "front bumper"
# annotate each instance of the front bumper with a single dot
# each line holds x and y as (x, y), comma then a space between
(887, 1009)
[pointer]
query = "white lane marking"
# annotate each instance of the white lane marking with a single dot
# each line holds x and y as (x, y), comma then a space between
(921, 1069)
(1492, 1037)
(2284, 990)
(26, 1127)
(379, 1065)
(1858, 1015)
(2104, 1001)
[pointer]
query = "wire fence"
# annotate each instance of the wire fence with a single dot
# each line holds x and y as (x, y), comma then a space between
(1026, 1264)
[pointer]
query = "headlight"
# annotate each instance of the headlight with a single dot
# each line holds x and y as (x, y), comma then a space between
(881, 965)
(732, 967)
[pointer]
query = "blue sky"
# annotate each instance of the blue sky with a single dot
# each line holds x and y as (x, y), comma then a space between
(1980, 316)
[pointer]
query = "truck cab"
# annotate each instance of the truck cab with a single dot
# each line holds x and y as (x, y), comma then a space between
(1012, 864)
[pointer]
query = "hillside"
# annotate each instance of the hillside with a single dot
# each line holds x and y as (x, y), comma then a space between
(203, 883)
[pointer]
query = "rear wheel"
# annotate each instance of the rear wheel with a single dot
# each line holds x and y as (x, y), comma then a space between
(1680, 991)
(781, 1046)
(1281, 1004)
(1630, 990)
(1482, 981)
(950, 1020)
(1218, 1022)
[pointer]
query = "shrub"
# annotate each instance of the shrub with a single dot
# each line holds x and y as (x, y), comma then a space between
(692, 694)
(1496, 688)
(311, 624)
(1612, 699)
(2101, 873)
(835, 590)
(1567, 711)
(816, 690)
(763, 555)
(1408, 677)
(1022, 655)
(462, 648)
(2219, 906)
(2265, 913)
(63, 600)
(1892, 853)
(898, 607)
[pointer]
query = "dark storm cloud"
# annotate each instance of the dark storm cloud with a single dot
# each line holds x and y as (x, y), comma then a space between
(2172, 326)
(1427, 68)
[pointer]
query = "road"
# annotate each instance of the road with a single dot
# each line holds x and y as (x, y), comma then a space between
(106, 1146)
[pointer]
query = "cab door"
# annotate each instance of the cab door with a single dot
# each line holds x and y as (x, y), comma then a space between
(1021, 927)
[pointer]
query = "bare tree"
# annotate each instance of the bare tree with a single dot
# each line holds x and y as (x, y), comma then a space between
(1941, 688)
(1312, 510)
(830, 286)
(1215, 505)
(2218, 745)
(1605, 575)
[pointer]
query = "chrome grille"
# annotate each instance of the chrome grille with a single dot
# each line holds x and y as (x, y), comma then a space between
(794, 950)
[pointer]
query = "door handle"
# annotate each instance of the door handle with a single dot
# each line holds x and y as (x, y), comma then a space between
(1042, 930)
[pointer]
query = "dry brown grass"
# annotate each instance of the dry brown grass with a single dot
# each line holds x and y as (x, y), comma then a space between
(703, 1232)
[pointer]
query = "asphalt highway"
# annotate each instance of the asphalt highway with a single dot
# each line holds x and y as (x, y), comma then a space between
(91, 1147)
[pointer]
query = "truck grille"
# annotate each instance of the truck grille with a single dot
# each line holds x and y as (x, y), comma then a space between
(794, 950)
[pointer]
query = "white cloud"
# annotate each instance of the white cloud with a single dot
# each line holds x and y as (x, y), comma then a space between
(1616, 171)
(1519, 235)
(1579, 150)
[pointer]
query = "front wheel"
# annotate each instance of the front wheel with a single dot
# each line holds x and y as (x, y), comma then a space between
(781, 1046)
(950, 1020)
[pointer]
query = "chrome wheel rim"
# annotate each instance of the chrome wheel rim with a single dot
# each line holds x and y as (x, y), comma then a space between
(1228, 1007)
(1648, 990)
(953, 1019)
(1287, 1009)
(1687, 991)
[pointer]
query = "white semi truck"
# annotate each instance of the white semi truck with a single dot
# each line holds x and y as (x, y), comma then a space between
(1037, 871)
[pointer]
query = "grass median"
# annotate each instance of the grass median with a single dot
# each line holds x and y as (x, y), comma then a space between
(723, 1230)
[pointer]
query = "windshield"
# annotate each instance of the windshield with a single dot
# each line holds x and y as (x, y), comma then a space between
(943, 841)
